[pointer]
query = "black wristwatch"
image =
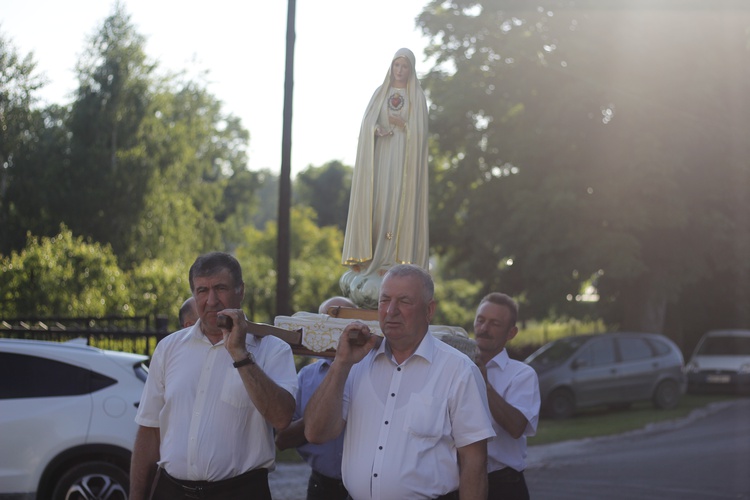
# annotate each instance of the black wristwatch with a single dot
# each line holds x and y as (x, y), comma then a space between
(249, 360)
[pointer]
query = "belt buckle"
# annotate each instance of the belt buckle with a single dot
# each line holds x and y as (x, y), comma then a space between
(193, 492)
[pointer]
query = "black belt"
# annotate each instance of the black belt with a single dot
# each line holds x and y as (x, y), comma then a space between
(453, 495)
(203, 489)
(327, 480)
(506, 474)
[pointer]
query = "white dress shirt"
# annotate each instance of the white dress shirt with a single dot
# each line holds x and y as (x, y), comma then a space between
(210, 429)
(404, 422)
(518, 385)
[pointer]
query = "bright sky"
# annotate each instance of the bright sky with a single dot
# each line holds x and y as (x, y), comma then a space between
(342, 52)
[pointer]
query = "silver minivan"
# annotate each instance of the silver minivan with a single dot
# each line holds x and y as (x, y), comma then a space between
(721, 363)
(614, 369)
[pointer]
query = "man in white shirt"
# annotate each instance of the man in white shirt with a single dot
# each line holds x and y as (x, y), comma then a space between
(513, 394)
(414, 409)
(212, 399)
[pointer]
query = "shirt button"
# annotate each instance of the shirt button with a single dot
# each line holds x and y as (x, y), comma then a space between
(393, 394)
(380, 447)
(386, 422)
(398, 369)
(375, 475)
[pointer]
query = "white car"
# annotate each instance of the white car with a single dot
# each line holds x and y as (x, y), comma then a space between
(721, 362)
(67, 419)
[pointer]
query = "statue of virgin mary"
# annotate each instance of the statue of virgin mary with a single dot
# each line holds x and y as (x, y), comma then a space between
(388, 220)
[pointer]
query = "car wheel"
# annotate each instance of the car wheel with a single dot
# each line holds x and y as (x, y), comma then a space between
(92, 481)
(561, 403)
(666, 395)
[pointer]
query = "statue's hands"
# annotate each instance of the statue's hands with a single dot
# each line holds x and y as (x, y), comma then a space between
(382, 133)
(234, 337)
(355, 342)
(397, 121)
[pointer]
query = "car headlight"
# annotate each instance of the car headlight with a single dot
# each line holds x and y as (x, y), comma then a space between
(692, 367)
(744, 368)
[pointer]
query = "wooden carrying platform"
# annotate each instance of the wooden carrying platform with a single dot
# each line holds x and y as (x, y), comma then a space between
(292, 329)
(317, 335)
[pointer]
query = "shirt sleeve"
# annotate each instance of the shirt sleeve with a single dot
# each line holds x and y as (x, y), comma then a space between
(278, 364)
(152, 398)
(302, 376)
(469, 423)
(523, 394)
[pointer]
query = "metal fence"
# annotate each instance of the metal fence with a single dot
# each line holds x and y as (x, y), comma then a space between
(119, 333)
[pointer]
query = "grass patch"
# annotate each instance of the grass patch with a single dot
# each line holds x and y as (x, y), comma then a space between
(541, 332)
(601, 421)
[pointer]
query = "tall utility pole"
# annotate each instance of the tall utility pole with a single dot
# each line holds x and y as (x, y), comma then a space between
(285, 183)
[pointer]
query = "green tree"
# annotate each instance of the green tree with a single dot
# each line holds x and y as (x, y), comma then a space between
(22, 129)
(268, 199)
(149, 164)
(326, 190)
(63, 276)
(456, 303)
(201, 185)
(314, 266)
(109, 169)
(159, 288)
(571, 152)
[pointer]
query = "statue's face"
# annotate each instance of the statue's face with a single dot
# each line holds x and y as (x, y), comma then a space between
(400, 71)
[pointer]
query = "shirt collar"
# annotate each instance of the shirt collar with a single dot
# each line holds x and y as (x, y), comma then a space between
(500, 359)
(425, 349)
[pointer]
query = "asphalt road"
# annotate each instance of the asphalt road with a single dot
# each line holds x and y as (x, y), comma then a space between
(706, 456)
(703, 457)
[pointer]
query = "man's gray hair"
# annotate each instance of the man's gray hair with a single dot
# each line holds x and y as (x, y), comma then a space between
(411, 270)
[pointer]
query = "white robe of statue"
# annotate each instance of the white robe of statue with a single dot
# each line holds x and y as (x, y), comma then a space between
(388, 220)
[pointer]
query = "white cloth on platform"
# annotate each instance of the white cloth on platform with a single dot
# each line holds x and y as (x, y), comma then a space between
(321, 332)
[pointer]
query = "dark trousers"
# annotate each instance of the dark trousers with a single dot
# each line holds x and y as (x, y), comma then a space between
(320, 487)
(453, 495)
(252, 485)
(507, 484)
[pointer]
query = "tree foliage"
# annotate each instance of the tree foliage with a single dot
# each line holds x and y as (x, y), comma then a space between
(588, 145)
(314, 267)
(21, 132)
(63, 276)
(149, 164)
(326, 189)
(110, 168)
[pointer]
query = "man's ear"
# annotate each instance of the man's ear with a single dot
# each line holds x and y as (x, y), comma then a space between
(513, 332)
(431, 310)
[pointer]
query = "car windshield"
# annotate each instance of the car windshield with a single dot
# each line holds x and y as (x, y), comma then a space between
(725, 346)
(556, 352)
